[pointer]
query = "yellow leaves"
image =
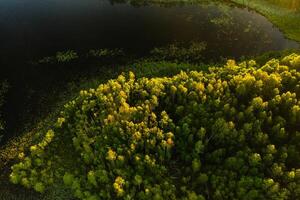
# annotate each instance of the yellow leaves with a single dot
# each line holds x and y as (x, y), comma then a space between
(248, 79)
(110, 118)
(49, 136)
(118, 186)
(159, 134)
(122, 94)
(137, 158)
(132, 147)
(121, 79)
(83, 93)
(170, 142)
(182, 89)
(170, 135)
(149, 160)
(60, 121)
(254, 159)
(292, 61)
(271, 149)
(21, 155)
(291, 175)
(231, 63)
(210, 88)
(137, 136)
(258, 103)
(251, 63)
(295, 114)
(231, 125)
(199, 87)
(167, 143)
(111, 155)
(124, 108)
(33, 148)
(131, 75)
(173, 89)
(121, 158)
(154, 100)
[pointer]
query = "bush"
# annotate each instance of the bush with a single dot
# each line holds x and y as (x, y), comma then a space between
(231, 133)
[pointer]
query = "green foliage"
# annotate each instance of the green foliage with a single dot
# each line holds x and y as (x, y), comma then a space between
(230, 133)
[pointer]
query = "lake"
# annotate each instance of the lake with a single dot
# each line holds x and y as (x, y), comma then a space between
(34, 28)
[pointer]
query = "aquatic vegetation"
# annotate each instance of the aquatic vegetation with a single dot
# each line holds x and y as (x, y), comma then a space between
(66, 56)
(71, 55)
(105, 53)
(60, 57)
(190, 53)
(224, 134)
(46, 60)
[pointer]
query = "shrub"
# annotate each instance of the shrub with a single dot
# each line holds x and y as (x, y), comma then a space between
(230, 133)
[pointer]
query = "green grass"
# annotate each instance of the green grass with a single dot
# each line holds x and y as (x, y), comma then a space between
(287, 20)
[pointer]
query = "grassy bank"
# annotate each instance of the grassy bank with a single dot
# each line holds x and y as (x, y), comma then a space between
(287, 20)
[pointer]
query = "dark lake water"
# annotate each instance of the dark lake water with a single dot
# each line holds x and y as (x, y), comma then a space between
(35, 28)
(32, 29)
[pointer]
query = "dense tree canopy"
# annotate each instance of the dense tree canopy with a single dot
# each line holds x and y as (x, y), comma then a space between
(230, 133)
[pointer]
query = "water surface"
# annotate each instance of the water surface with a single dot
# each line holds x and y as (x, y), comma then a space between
(35, 28)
